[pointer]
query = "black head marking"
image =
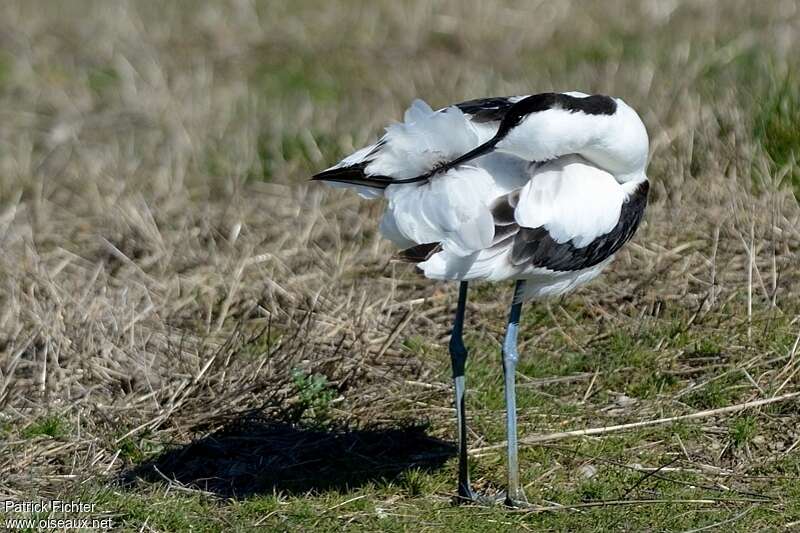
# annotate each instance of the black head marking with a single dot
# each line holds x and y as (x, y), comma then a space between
(596, 104)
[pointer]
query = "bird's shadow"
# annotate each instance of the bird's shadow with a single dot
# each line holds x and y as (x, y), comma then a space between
(254, 455)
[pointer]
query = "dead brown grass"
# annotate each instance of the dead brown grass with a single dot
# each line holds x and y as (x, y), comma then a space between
(165, 264)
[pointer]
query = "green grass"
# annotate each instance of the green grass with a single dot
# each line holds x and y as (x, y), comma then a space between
(5, 69)
(598, 480)
(776, 127)
(417, 501)
(102, 79)
(314, 395)
(53, 426)
(580, 474)
(743, 430)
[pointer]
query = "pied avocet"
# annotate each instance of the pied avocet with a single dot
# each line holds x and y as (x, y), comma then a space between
(540, 189)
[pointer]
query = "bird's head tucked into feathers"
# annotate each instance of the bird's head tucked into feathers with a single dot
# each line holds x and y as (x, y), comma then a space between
(623, 148)
(611, 136)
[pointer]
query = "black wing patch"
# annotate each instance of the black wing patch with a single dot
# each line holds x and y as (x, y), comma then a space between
(536, 247)
(486, 109)
(420, 253)
(503, 209)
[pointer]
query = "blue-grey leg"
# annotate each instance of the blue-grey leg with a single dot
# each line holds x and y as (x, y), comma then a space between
(514, 494)
(458, 359)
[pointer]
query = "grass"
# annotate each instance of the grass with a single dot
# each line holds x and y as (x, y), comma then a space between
(775, 129)
(193, 336)
(314, 395)
(52, 426)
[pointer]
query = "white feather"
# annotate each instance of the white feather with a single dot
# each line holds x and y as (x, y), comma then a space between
(368, 193)
(574, 201)
(425, 139)
(493, 265)
(391, 231)
(452, 209)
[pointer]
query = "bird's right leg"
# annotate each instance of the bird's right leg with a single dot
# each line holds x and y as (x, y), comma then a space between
(458, 359)
(515, 496)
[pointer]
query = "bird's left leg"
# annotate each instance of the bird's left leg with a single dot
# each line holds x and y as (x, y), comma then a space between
(458, 358)
(514, 494)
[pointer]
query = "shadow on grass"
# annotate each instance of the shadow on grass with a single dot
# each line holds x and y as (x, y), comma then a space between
(257, 456)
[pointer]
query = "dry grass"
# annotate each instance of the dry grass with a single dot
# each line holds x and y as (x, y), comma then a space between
(166, 267)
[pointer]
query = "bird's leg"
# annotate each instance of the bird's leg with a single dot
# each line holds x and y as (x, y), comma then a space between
(458, 359)
(514, 495)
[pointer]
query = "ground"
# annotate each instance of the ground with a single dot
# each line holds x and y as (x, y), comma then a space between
(194, 336)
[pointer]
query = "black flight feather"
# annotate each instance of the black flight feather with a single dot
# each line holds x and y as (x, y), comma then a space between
(420, 253)
(354, 175)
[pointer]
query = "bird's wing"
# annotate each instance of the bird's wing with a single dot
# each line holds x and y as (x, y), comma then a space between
(489, 110)
(424, 140)
(451, 212)
(573, 200)
(569, 216)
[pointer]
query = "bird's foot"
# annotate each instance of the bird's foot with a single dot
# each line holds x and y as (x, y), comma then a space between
(515, 501)
(467, 496)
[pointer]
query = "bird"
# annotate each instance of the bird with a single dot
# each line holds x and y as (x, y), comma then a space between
(540, 189)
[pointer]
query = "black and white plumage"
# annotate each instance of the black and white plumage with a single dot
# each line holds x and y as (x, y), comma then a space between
(554, 186)
(541, 189)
